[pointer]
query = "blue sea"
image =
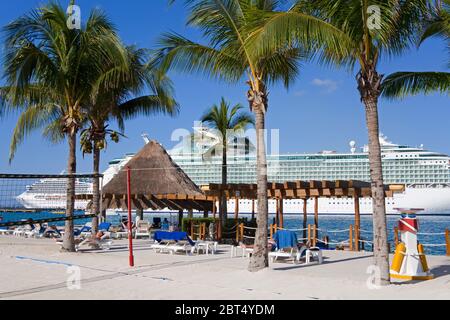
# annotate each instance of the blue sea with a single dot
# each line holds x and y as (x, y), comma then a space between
(328, 226)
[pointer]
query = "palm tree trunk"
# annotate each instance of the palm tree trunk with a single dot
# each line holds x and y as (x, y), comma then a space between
(223, 210)
(260, 259)
(369, 87)
(68, 240)
(380, 244)
(96, 189)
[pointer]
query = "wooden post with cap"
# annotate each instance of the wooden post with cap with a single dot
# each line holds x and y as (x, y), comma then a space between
(130, 222)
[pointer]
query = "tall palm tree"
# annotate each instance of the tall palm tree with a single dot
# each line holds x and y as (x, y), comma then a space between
(121, 101)
(227, 121)
(366, 30)
(227, 26)
(401, 84)
(50, 70)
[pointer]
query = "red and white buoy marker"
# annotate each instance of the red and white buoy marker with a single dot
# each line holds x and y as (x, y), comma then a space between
(409, 261)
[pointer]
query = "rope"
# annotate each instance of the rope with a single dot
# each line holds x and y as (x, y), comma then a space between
(432, 234)
(366, 231)
(250, 228)
(434, 245)
(366, 241)
(334, 231)
(332, 242)
(248, 237)
(292, 229)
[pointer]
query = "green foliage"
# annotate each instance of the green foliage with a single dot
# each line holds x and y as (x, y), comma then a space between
(230, 51)
(51, 71)
(401, 84)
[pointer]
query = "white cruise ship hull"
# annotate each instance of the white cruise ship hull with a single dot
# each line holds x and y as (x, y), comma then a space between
(47, 201)
(432, 200)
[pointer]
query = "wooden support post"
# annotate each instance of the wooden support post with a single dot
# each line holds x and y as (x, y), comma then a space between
(281, 213)
(309, 233)
(277, 212)
(314, 242)
(214, 208)
(236, 208)
(447, 241)
(140, 213)
(357, 220)
(204, 231)
(305, 218)
(190, 214)
(356, 238)
(350, 238)
(253, 209)
(271, 232)
(180, 219)
(316, 216)
(219, 231)
(192, 230)
(396, 241)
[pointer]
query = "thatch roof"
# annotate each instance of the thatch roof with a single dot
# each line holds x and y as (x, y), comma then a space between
(157, 182)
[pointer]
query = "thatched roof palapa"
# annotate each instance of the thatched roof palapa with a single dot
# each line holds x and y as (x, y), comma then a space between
(157, 182)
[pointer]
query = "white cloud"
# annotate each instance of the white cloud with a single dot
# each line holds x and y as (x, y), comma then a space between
(328, 84)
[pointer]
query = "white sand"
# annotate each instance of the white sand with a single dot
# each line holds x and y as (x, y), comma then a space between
(106, 275)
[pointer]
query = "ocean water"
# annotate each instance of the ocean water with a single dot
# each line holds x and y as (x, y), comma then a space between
(328, 226)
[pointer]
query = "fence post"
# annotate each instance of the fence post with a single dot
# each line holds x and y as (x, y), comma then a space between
(447, 241)
(350, 238)
(242, 232)
(271, 232)
(314, 235)
(309, 233)
(396, 236)
(203, 231)
(357, 237)
(237, 232)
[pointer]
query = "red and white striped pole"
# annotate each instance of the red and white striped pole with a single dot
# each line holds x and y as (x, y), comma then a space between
(130, 224)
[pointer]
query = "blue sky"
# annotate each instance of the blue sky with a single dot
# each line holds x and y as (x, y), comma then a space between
(320, 111)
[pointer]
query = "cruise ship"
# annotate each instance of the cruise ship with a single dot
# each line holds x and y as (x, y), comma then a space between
(51, 193)
(425, 174)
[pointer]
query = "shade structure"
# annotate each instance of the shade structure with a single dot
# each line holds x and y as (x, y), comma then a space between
(157, 182)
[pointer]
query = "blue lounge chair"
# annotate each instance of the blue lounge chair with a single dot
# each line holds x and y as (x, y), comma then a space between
(104, 226)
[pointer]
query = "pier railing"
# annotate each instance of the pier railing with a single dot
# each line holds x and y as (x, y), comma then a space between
(354, 238)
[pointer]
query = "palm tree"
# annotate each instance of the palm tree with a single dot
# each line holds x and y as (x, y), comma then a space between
(227, 121)
(365, 30)
(50, 70)
(401, 84)
(227, 26)
(121, 101)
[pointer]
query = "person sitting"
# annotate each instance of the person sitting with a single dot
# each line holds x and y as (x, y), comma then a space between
(165, 224)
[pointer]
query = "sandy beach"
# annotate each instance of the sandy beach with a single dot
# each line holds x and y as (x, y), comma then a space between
(36, 269)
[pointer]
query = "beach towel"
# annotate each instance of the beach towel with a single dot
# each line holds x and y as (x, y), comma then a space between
(285, 239)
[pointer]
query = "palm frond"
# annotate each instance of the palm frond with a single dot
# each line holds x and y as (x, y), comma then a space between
(401, 84)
